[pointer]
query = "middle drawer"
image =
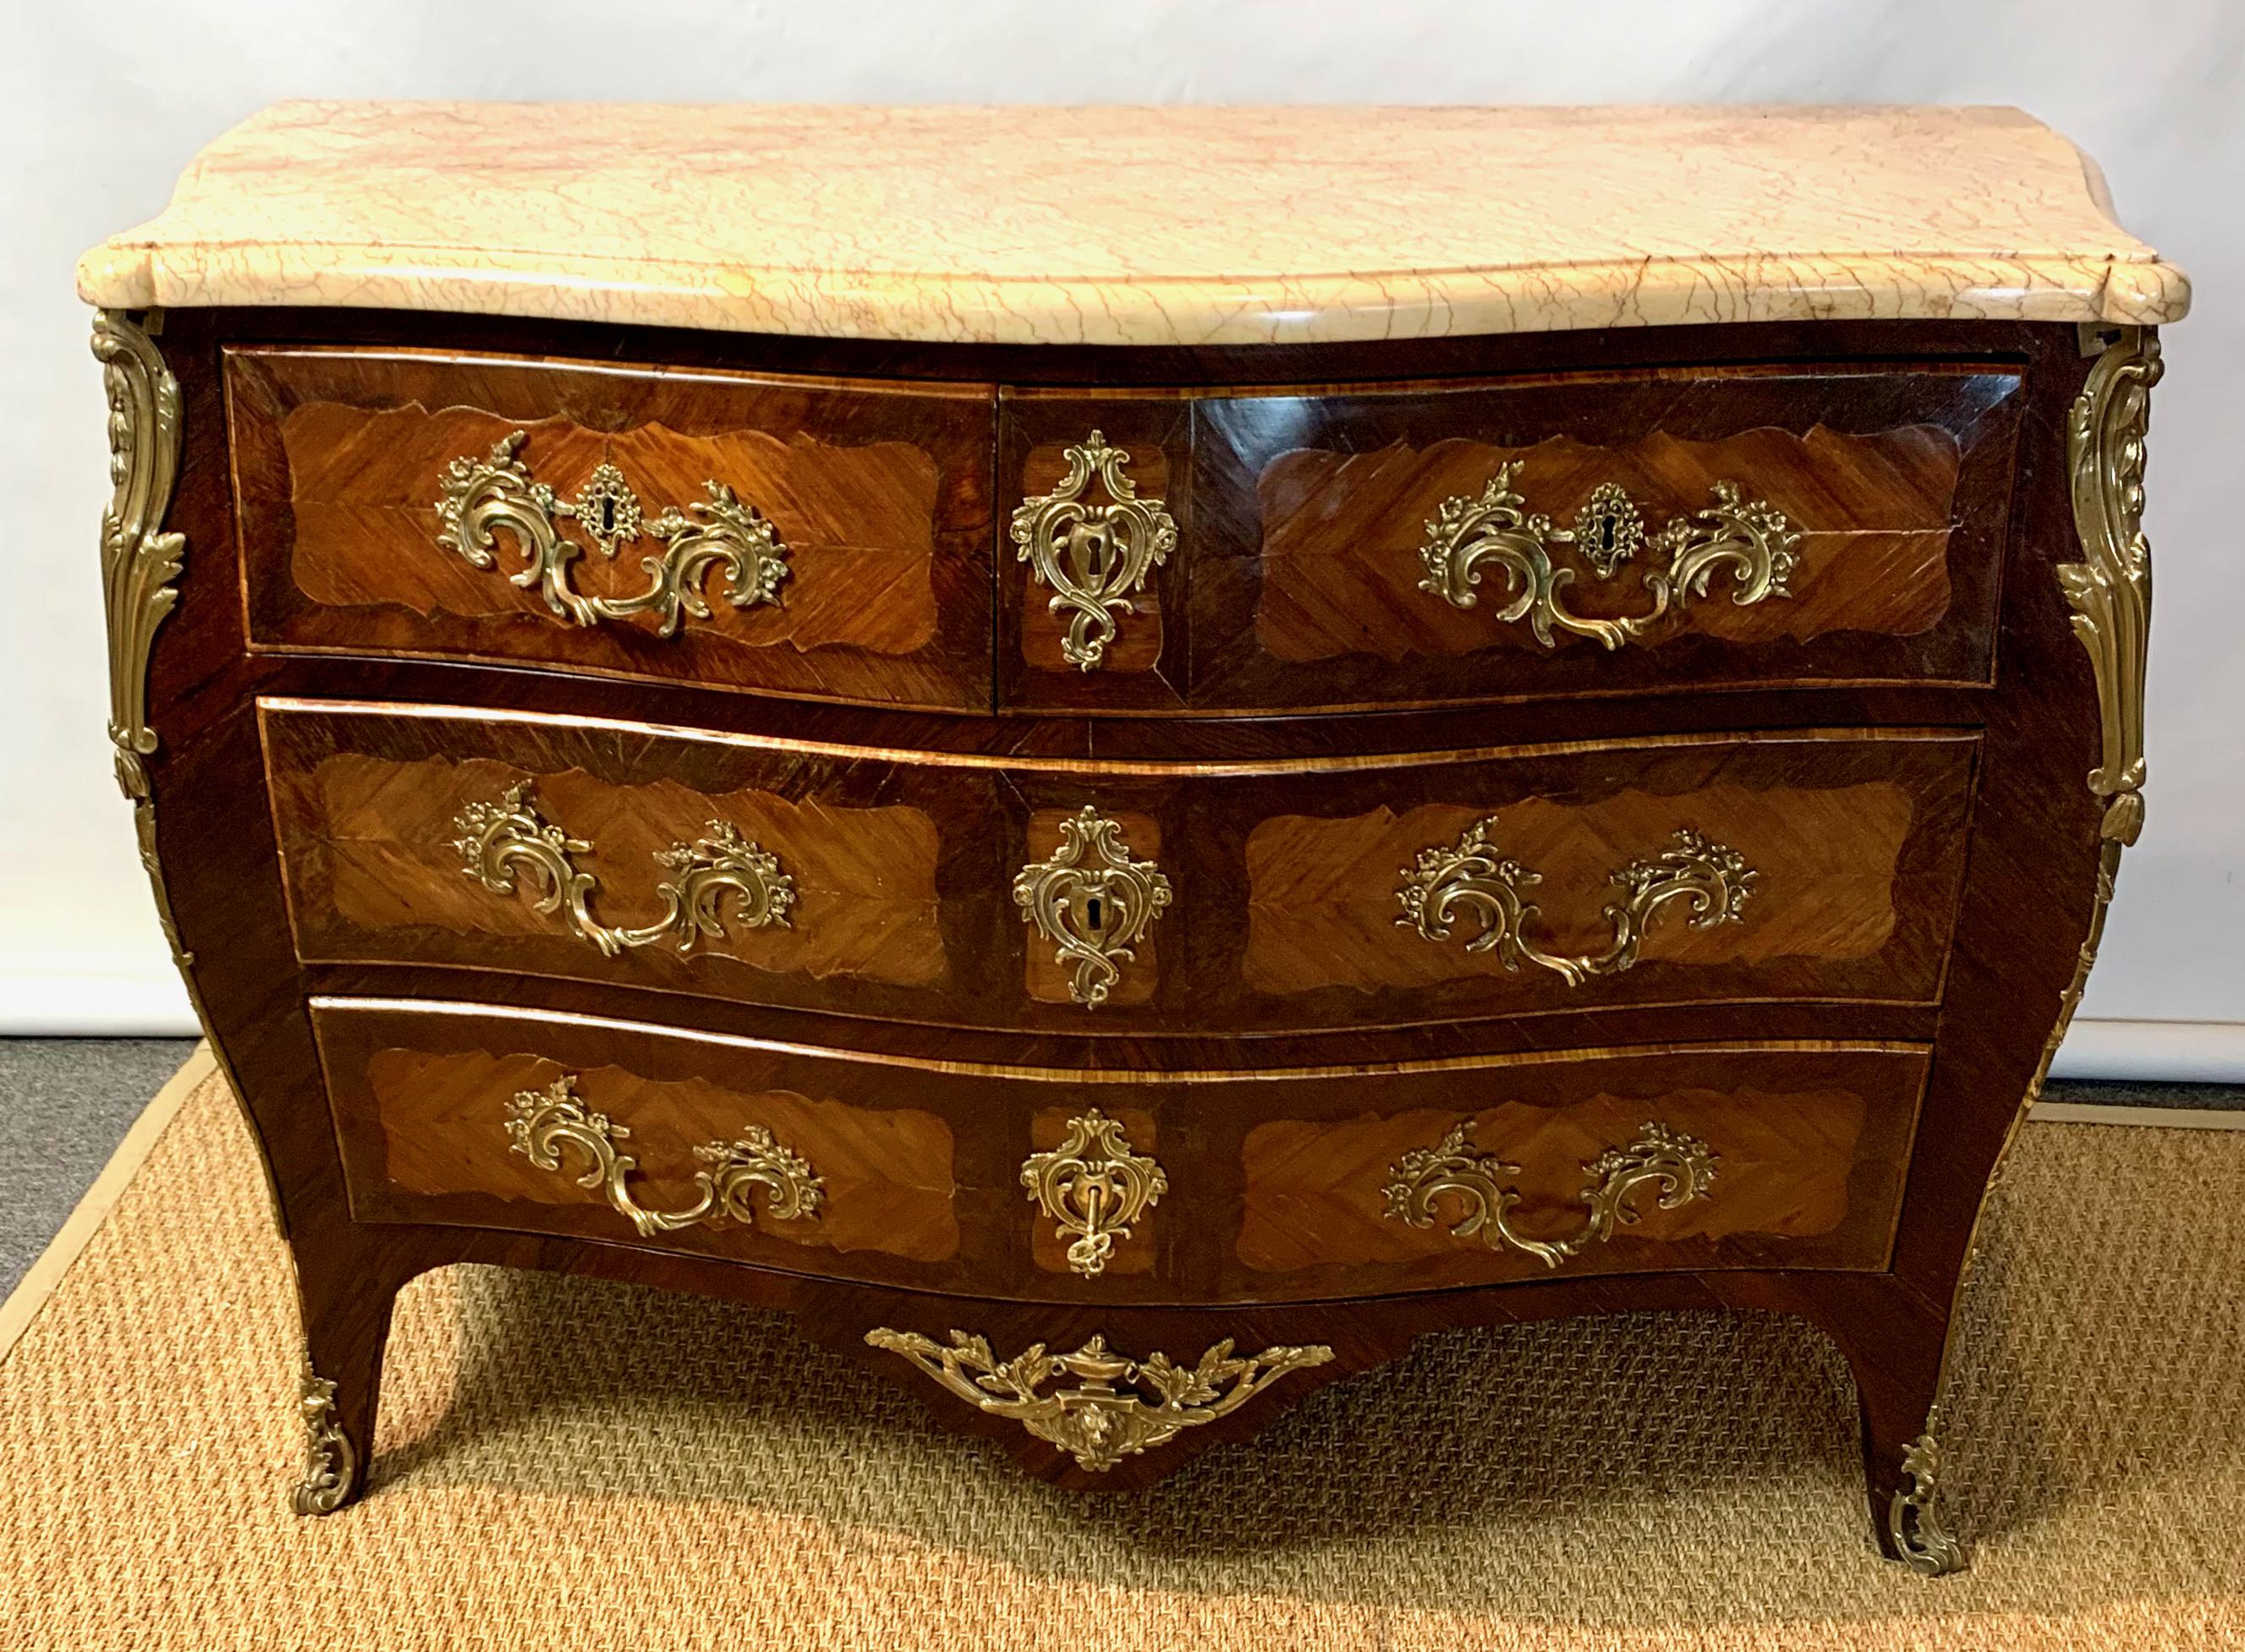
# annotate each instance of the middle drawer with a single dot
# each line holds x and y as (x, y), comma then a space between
(1064, 895)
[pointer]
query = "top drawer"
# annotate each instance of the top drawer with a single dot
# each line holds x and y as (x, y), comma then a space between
(801, 536)
(1585, 534)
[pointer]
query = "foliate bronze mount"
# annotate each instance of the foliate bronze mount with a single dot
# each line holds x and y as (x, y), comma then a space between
(330, 1460)
(1677, 1167)
(1091, 900)
(1473, 877)
(1914, 1516)
(1469, 531)
(540, 1123)
(500, 841)
(1098, 1422)
(716, 534)
(139, 560)
(1093, 556)
(2110, 589)
(1094, 1187)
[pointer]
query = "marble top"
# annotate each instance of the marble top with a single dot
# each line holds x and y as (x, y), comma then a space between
(1117, 226)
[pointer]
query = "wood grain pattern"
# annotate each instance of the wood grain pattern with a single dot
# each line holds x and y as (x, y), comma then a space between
(906, 869)
(879, 493)
(1311, 509)
(887, 1176)
(858, 523)
(866, 878)
(379, 854)
(1342, 535)
(1314, 1191)
(2008, 688)
(1143, 667)
(1322, 908)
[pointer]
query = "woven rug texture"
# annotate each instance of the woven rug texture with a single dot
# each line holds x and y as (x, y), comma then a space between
(565, 1463)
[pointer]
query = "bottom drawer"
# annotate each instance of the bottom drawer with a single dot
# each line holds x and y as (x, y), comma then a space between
(1203, 1187)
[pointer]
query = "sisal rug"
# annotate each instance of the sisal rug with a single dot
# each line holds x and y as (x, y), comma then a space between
(570, 1464)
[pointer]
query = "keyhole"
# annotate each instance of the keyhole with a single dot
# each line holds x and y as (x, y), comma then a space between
(1089, 547)
(1095, 915)
(1606, 534)
(608, 517)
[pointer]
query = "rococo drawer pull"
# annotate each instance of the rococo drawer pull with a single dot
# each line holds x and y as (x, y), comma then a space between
(1745, 536)
(1713, 879)
(1093, 556)
(498, 840)
(481, 495)
(1093, 1187)
(1096, 1422)
(1091, 901)
(1682, 1167)
(540, 1122)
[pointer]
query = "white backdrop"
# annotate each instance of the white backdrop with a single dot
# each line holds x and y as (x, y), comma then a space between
(100, 106)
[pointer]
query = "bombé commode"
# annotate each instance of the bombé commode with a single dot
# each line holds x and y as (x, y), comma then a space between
(1125, 799)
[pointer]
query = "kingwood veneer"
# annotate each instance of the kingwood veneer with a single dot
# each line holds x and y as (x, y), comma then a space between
(1214, 821)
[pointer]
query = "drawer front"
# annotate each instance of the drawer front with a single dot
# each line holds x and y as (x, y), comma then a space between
(1287, 1184)
(1064, 897)
(1583, 535)
(795, 537)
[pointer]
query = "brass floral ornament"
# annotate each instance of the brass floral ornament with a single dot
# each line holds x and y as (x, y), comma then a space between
(2110, 589)
(1473, 877)
(1100, 1420)
(1676, 1167)
(540, 1123)
(1468, 532)
(718, 534)
(502, 840)
(139, 560)
(1091, 900)
(1093, 557)
(1914, 1517)
(330, 1460)
(1094, 1187)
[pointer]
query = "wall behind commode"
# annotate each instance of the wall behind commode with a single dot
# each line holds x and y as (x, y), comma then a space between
(103, 105)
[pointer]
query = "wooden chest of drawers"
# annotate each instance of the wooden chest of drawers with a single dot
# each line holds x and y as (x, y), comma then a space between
(1123, 852)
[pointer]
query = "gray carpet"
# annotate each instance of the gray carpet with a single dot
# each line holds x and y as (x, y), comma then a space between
(65, 1103)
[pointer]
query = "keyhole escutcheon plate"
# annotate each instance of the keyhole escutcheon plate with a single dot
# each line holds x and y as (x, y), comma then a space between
(1094, 557)
(1092, 901)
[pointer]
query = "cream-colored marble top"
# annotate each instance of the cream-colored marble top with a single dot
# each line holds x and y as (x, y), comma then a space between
(1141, 226)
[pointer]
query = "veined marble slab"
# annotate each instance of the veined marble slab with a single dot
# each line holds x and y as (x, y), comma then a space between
(1112, 226)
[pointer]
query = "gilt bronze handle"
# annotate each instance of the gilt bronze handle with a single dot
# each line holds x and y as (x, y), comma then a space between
(1678, 1168)
(1472, 875)
(500, 841)
(716, 534)
(1495, 528)
(541, 1122)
